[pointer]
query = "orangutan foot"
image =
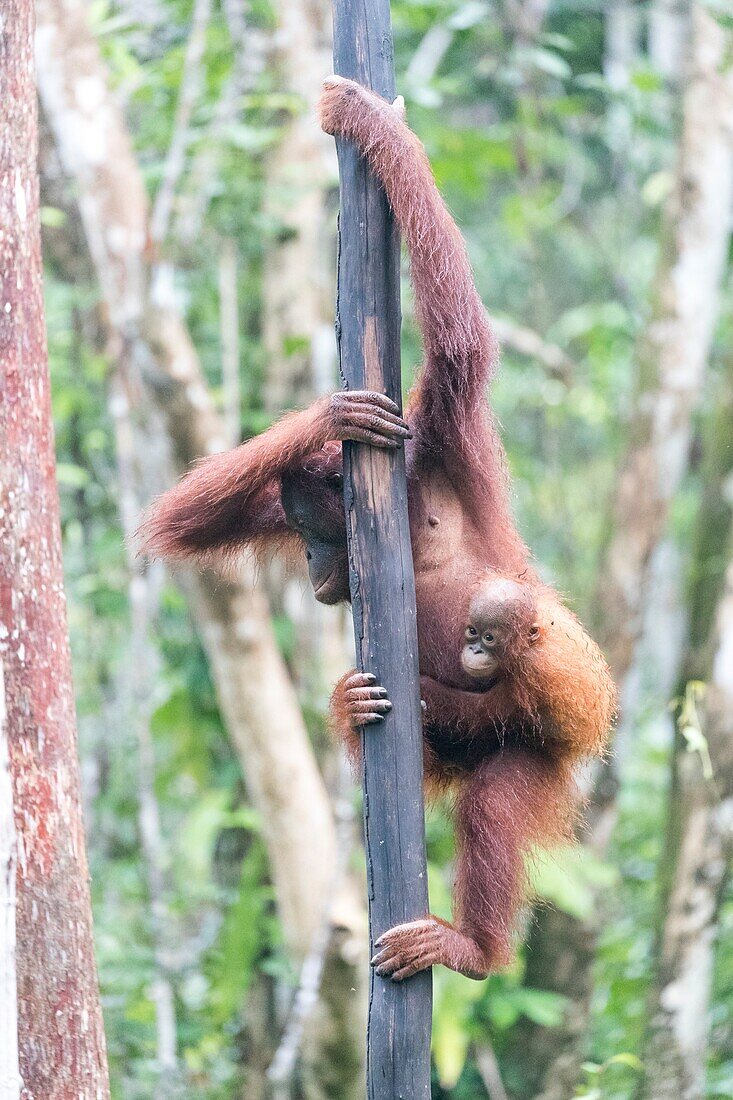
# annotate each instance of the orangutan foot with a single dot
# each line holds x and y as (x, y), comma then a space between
(366, 701)
(408, 948)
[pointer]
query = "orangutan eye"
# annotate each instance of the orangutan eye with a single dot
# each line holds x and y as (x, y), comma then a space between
(336, 480)
(534, 632)
(489, 639)
(471, 632)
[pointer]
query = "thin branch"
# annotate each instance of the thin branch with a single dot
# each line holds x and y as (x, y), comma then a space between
(191, 80)
(426, 59)
(489, 1071)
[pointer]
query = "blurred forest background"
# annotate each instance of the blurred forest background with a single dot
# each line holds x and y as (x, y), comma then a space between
(189, 209)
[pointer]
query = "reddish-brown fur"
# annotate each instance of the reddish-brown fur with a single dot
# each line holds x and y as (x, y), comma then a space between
(504, 748)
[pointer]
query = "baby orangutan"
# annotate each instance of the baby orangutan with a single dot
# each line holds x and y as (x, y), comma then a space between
(504, 746)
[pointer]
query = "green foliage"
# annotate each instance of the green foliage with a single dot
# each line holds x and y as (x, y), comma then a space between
(596, 1075)
(561, 215)
(571, 879)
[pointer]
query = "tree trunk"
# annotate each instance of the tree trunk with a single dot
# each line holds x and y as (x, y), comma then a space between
(668, 28)
(10, 1079)
(672, 354)
(137, 701)
(674, 349)
(696, 867)
(152, 344)
(696, 860)
(61, 1037)
(381, 575)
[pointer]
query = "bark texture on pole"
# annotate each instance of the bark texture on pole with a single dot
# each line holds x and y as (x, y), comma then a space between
(61, 1039)
(382, 579)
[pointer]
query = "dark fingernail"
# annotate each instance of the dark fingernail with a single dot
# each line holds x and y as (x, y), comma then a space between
(388, 705)
(371, 677)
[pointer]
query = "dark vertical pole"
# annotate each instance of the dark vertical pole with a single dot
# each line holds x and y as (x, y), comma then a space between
(382, 579)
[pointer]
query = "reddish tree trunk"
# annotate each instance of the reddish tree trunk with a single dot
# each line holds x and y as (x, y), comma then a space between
(61, 1039)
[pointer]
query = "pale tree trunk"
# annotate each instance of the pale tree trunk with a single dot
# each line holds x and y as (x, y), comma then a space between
(697, 865)
(672, 354)
(668, 30)
(622, 33)
(60, 1031)
(151, 343)
(701, 833)
(622, 41)
(137, 681)
(674, 350)
(695, 872)
(696, 861)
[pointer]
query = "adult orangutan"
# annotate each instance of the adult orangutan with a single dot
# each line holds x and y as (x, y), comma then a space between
(515, 691)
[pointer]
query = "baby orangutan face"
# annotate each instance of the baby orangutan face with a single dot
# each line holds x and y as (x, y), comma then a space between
(502, 623)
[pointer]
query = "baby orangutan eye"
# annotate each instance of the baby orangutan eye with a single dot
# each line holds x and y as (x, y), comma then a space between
(489, 639)
(534, 632)
(471, 632)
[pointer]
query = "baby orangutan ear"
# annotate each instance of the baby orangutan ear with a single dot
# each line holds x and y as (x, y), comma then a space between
(534, 633)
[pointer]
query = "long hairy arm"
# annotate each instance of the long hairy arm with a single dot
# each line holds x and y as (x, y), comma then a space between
(233, 498)
(460, 349)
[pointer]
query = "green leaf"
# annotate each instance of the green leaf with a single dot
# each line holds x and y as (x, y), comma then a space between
(547, 61)
(52, 217)
(646, 80)
(542, 1006)
(626, 1059)
(241, 937)
(70, 476)
(453, 1000)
